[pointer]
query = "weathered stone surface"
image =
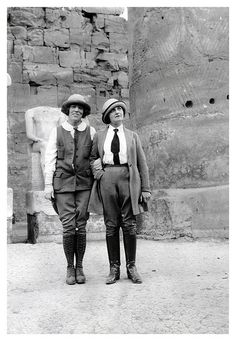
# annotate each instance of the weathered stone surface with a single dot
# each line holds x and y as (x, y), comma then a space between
(40, 73)
(176, 52)
(125, 93)
(119, 42)
(123, 79)
(39, 54)
(190, 152)
(35, 37)
(85, 90)
(122, 61)
(99, 21)
(179, 105)
(9, 214)
(72, 58)
(115, 24)
(112, 61)
(16, 122)
(53, 16)
(15, 70)
(63, 92)
(104, 10)
(47, 74)
(64, 76)
(100, 41)
(56, 37)
(9, 202)
(19, 32)
(10, 46)
(199, 212)
(36, 202)
(74, 19)
(9, 33)
(94, 76)
(18, 97)
(81, 38)
(45, 95)
(108, 61)
(26, 16)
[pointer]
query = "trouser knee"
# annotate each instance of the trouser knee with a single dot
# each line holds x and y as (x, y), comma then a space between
(129, 230)
(111, 231)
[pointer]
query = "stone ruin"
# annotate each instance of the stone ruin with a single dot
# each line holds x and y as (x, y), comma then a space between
(178, 98)
(52, 53)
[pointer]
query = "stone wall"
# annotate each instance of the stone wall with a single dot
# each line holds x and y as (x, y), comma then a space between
(179, 99)
(52, 53)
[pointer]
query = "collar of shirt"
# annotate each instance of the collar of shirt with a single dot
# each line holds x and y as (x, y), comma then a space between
(120, 128)
(67, 126)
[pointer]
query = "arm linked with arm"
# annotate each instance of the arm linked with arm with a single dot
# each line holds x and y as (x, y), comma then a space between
(95, 160)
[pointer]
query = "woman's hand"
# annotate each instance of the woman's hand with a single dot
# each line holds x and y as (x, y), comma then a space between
(145, 196)
(48, 192)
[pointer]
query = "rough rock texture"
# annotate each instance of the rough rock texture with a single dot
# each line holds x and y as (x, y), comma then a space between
(52, 53)
(179, 104)
(9, 214)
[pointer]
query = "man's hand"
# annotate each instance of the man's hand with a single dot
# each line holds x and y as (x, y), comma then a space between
(146, 196)
(48, 192)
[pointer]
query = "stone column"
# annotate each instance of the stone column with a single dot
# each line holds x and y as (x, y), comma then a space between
(179, 105)
(9, 214)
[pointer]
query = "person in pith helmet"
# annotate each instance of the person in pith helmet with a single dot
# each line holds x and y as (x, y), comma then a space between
(121, 188)
(69, 179)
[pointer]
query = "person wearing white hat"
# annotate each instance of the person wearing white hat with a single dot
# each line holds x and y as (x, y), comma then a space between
(69, 179)
(121, 188)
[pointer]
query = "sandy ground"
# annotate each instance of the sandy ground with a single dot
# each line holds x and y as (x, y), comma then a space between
(184, 290)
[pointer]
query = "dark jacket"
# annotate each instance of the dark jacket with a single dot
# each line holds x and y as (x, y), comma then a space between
(71, 173)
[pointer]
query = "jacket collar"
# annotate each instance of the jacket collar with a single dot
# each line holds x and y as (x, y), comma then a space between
(67, 126)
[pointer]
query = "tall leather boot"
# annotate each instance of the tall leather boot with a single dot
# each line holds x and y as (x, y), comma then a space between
(68, 246)
(130, 254)
(113, 249)
(80, 246)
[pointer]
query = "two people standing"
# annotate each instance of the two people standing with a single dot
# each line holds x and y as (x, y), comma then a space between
(120, 188)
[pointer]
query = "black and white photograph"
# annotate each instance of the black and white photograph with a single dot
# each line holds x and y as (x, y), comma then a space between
(116, 130)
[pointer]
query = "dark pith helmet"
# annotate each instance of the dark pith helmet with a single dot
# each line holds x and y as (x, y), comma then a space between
(76, 99)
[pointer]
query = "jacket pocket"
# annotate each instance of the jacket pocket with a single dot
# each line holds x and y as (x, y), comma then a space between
(60, 152)
(57, 181)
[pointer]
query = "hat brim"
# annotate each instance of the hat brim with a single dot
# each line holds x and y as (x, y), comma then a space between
(105, 115)
(66, 105)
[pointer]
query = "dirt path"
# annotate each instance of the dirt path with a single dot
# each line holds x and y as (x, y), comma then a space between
(184, 290)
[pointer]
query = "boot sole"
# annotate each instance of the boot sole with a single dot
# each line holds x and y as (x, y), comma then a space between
(113, 281)
(137, 281)
(71, 283)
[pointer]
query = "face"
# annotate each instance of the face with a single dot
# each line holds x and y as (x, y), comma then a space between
(75, 114)
(116, 116)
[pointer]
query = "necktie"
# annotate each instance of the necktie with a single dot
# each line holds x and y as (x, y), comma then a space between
(115, 147)
(76, 136)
